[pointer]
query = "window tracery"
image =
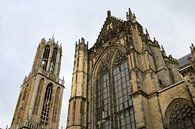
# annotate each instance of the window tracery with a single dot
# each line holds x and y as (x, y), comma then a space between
(112, 94)
(53, 60)
(119, 58)
(180, 115)
(45, 57)
(123, 103)
(37, 101)
(56, 106)
(46, 104)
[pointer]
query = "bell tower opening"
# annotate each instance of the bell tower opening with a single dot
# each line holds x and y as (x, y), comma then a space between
(45, 57)
(46, 104)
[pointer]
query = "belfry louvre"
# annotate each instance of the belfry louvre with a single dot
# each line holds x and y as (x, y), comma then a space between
(127, 81)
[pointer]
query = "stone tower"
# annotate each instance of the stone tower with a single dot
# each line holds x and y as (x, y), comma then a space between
(78, 100)
(127, 81)
(39, 102)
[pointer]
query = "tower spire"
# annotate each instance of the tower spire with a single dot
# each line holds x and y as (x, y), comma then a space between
(108, 13)
(163, 51)
(130, 16)
(147, 34)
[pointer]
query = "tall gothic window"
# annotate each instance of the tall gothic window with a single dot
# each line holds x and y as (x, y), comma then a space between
(103, 110)
(53, 60)
(181, 115)
(123, 108)
(38, 96)
(56, 106)
(45, 57)
(46, 105)
(114, 107)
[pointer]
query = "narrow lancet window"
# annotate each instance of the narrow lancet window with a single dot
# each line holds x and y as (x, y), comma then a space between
(46, 105)
(45, 57)
(123, 103)
(56, 106)
(53, 60)
(114, 108)
(39, 90)
(103, 98)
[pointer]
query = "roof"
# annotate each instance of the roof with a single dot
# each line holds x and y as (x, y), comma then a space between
(183, 61)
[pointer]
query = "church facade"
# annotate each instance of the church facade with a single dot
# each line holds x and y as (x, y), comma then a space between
(40, 99)
(126, 81)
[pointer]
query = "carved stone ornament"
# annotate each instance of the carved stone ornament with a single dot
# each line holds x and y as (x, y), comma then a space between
(119, 58)
(105, 62)
(180, 112)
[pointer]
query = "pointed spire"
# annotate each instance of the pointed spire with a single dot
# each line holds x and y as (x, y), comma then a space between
(147, 34)
(156, 42)
(192, 48)
(162, 48)
(170, 56)
(108, 13)
(43, 40)
(82, 44)
(129, 15)
(134, 18)
(82, 40)
(53, 38)
(163, 51)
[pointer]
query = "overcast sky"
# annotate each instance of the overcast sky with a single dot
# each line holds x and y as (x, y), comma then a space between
(24, 22)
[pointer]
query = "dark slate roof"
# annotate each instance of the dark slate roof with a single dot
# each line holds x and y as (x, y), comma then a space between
(183, 61)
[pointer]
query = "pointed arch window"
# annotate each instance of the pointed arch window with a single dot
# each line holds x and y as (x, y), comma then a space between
(53, 60)
(180, 115)
(113, 104)
(123, 103)
(46, 104)
(39, 90)
(103, 101)
(56, 106)
(45, 57)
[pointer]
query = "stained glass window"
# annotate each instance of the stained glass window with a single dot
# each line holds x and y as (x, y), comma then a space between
(124, 113)
(114, 107)
(182, 116)
(46, 105)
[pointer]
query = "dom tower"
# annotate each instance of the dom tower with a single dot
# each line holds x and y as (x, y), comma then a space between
(39, 102)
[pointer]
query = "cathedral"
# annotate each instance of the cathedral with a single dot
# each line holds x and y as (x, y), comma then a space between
(124, 81)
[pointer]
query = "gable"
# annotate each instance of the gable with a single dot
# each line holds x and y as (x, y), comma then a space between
(112, 26)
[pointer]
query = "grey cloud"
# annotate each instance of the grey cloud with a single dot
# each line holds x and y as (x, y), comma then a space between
(180, 7)
(23, 23)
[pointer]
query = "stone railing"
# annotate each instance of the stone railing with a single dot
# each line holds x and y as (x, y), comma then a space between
(28, 124)
(50, 75)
